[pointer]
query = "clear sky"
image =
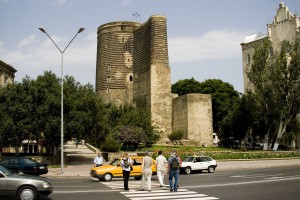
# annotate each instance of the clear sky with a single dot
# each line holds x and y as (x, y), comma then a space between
(204, 36)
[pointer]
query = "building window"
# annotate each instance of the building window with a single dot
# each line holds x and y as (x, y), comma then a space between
(5, 81)
(130, 78)
(248, 58)
(108, 79)
(271, 52)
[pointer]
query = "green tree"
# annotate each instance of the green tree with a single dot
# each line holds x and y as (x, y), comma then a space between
(186, 86)
(225, 102)
(129, 136)
(15, 109)
(127, 115)
(276, 87)
(32, 110)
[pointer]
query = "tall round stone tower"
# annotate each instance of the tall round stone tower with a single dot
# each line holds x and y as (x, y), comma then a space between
(114, 71)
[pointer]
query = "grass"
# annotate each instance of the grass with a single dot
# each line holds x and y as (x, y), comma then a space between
(221, 153)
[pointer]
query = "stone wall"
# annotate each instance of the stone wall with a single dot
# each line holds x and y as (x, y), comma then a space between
(192, 114)
(114, 77)
(152, 84)
(133, 67)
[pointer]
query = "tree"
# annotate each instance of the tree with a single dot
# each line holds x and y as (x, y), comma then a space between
(276, 86)
(32, 110)
(225, 100)
(129, 116)
(129, 136)
(186, 86)
(15, 109)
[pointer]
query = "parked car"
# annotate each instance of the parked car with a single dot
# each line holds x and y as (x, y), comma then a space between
(114, 170)
(23, 186)
(22, 165)
(192, 163)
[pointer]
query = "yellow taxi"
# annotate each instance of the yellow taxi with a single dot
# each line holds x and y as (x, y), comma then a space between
(114, 170)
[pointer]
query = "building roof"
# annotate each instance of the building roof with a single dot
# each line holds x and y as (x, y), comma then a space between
(7, 66)
(254, 37)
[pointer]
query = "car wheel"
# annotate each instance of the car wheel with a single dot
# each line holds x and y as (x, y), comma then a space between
(107, 177)
(211, 169)
(187, 170)
(27, 193)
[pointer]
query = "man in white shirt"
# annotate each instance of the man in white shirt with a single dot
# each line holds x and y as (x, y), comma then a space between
(161, 167)
(99, 160)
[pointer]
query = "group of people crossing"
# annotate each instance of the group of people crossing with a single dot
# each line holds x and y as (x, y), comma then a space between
(163, 166)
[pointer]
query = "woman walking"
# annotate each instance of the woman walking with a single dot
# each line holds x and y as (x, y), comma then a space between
(126, 163)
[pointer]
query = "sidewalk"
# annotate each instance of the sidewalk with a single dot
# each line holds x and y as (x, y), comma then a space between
(84, 169)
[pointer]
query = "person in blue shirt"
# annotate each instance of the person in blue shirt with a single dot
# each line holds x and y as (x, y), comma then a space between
(173, 168)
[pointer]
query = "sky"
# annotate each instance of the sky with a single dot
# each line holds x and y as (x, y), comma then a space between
(204, 36)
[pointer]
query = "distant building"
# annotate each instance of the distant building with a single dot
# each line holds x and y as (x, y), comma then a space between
(285, 26)
(7, 74)
(133, 68)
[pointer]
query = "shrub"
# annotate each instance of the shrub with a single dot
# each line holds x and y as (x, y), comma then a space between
(176, 136)
(111, 145)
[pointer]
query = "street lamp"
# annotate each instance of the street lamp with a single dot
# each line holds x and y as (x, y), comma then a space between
(62, 95)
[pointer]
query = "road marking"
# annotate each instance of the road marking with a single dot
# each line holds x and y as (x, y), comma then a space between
(181, 194)
(244, 183)
(71, 186)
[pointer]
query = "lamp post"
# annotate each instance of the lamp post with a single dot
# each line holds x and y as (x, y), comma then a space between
(62, 95)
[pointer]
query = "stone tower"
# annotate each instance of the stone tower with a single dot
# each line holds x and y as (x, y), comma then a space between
(114, 77)
(133, 68)
(152, 84)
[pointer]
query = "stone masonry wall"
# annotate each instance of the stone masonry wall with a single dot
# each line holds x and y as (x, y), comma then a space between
(152, 84)
(114, 77)
(192, 114)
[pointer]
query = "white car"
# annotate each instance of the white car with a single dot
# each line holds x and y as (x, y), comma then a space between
(199, 163)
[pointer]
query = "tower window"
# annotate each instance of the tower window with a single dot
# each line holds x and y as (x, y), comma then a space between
(108, 79)
(248, 58)
(130, 78)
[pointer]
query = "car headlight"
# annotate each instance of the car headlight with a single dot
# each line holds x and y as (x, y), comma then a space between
(46, 185)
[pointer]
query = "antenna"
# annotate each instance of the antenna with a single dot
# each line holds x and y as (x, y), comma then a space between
(136, 15)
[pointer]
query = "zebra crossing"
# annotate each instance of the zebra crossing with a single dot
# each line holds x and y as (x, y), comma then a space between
(156, 193)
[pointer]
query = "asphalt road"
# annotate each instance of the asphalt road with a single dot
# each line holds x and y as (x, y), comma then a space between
(260, 184)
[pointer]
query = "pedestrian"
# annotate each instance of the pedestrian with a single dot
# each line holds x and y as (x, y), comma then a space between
(173, 168)
(161, 167)
(146, 172)
(126, 164)
(99, 160)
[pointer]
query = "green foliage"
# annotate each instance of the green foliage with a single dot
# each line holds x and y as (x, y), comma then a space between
(32, 110)
(225, 102)
(186, 86)
(111, 145)
(129, 136)
(132, 117)
(275, 87)
(176, 136)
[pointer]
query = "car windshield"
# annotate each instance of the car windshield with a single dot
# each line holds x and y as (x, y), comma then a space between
(5, 171)
(115, 162)
(28, 161)
(188, 159)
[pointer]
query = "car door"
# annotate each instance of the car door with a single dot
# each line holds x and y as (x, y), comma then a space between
(137, 166)
(3, 185)
(205, 163)
(197, 164)
(13, 164)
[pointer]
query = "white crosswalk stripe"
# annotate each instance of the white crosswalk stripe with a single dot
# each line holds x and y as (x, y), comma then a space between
(157, 193)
